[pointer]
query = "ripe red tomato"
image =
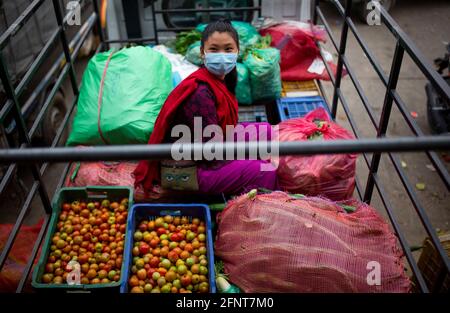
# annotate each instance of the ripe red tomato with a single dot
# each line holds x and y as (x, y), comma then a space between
(144, 248)
(175, 237)
(161, 231)
(186, 280)
(154, 242)
(154, 262)
(66, 207)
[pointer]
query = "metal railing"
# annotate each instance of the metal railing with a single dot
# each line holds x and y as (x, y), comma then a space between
(12, 106)
(30, 156)
(403, 44)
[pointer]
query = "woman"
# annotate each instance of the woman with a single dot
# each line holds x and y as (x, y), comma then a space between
(208, 93)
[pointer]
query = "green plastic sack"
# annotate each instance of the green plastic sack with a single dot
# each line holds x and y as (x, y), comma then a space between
(243, 90)
(137, 82)
(193, 54)
(264, 68)
(248, 36)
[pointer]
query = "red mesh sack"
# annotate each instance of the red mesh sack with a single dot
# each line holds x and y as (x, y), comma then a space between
(297, 50)
(276, 243)
(16, 262)
(330, 175)
(101, 174)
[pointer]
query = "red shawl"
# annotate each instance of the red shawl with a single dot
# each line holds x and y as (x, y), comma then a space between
(147, 172)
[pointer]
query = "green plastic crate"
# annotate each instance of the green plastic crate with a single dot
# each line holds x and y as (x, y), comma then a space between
(70, 194)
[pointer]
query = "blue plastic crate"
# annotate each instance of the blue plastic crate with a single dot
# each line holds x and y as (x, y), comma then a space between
(252, 113)
(299, 107)
(146, 211)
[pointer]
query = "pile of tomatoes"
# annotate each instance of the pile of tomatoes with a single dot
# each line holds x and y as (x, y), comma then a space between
(89, 236)
(169, 256)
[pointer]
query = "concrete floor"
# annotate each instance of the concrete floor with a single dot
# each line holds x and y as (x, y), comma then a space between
(428, 25)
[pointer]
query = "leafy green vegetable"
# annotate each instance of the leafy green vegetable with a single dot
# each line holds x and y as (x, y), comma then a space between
(348, 208)
(263, 42)
(185, 39)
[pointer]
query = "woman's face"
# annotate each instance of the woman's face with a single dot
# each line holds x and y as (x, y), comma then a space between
(219, 42)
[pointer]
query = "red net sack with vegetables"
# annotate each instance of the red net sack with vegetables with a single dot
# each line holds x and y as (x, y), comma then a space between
(330, 175)
(276, 243)
(16, 262)
(83, 174)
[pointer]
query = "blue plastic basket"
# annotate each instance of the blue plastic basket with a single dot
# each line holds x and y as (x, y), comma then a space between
(147, 211)
(299, 107)
(252, 113)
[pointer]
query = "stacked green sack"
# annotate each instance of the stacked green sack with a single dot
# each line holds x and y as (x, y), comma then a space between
(137, 82)
(264, 69)
(193, 54)
(248, 36)
(258, 67)
(243, 89)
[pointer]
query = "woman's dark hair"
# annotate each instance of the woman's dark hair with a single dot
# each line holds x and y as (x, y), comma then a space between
(223, 26)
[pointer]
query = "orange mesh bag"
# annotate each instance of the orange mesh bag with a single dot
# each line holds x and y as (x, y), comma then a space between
(277, 243)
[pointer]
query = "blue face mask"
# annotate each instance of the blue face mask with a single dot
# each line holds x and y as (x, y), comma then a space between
(220, 63)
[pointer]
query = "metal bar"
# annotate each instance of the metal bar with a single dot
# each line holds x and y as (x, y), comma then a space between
(385, 115)
(259, 6)
(358, 187)
(198, 10)
(134, 40)
(23, 134)
(352, 122)
(162, 151)
(59, 19)
(155, 26)
(327, 67)
(175, 29)
(60, 80)
(30, 73)
(77, 41)
(316, 7)
(130, 10)
(37, 62)
(440, 167)
(360, 91)
(37, 122)
(12, 236)
(7, 177)
(97, 20)
(420, 211)
(327, 28)
(376, 65)
(34, 252)
(401, 237)
(342, 47)
(19, 22)
(416, 55)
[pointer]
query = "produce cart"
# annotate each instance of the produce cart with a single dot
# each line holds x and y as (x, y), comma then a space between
(37, 159)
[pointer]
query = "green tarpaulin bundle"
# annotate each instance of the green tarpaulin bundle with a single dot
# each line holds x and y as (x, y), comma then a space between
(243, 90)
(120, 98)
(264, 68)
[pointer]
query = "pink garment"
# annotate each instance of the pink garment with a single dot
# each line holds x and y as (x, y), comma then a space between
(238, 176)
